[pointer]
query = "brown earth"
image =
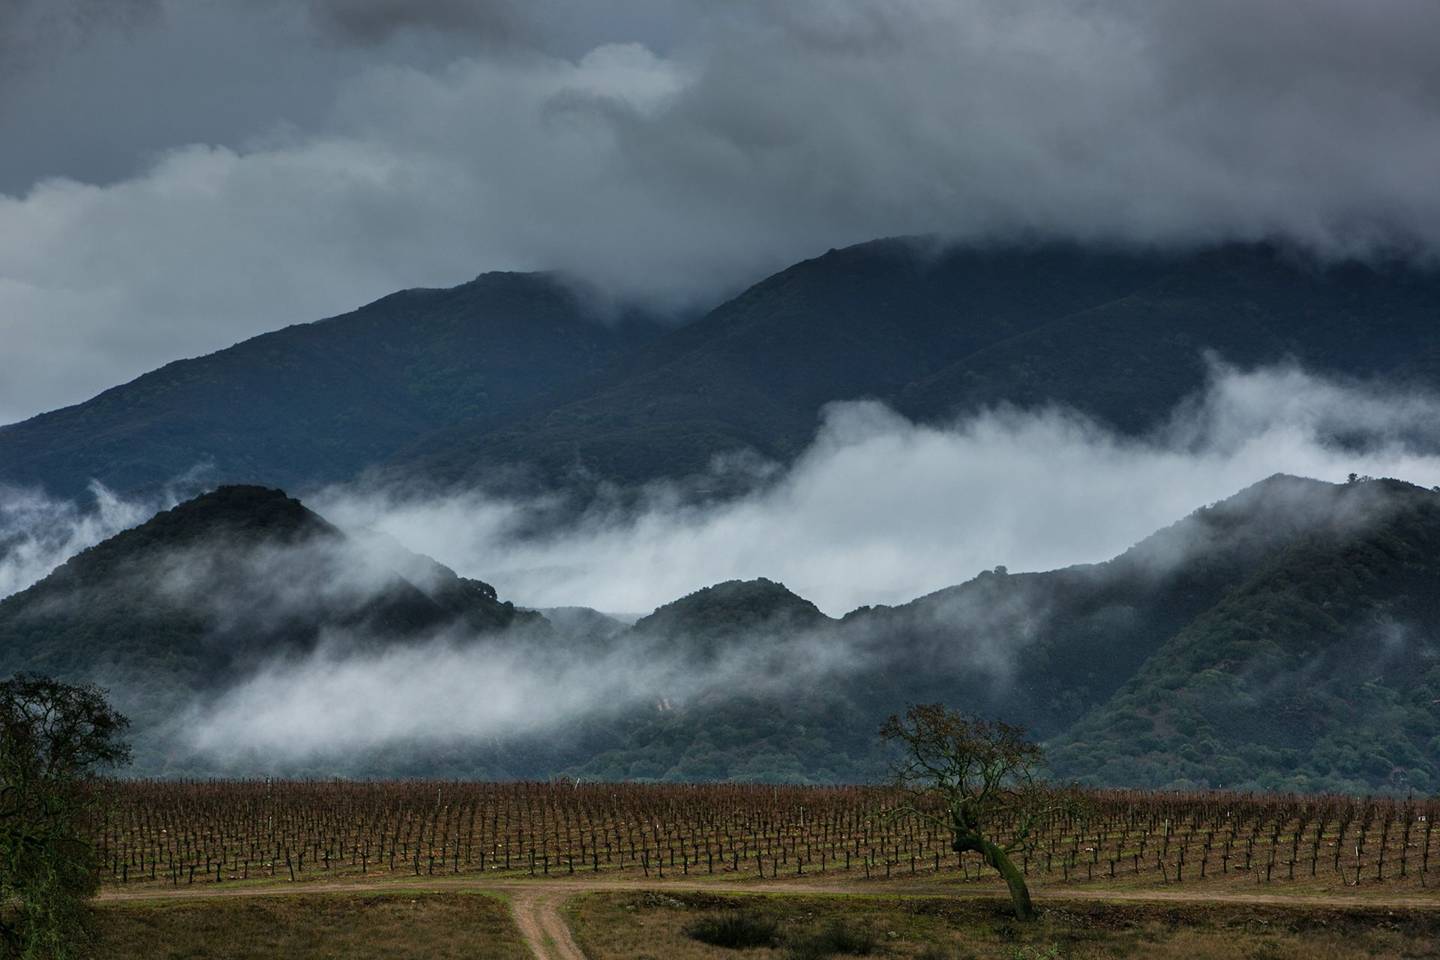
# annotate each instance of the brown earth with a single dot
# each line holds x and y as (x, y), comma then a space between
(536, 904)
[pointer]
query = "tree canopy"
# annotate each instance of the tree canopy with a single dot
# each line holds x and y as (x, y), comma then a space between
(976, 779)
(53, 738)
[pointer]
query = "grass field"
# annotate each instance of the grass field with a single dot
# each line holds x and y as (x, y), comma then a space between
(614, 918)
(641, 925)
(399, 925)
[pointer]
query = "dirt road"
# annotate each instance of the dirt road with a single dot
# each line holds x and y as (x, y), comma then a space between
(537, 914)
(537, 903)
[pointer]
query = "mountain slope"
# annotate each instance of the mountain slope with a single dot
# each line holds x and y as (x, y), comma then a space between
(318, 403)
(1286, 637)
(1118, 334)
(752, 374)
(1321, 671)
(201, 595)
(1230, 582)
(1129, 361)
(513, 369)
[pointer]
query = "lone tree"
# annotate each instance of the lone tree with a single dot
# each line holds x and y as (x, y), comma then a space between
(53, 737)
(976, 779)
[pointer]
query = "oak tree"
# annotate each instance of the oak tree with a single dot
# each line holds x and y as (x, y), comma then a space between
(976, 780)
(53, 738)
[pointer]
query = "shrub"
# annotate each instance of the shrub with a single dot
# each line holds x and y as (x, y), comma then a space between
(835, 938)
(736, 930)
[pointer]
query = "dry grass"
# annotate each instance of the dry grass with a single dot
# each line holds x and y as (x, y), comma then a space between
(400, 925)
(636, 926)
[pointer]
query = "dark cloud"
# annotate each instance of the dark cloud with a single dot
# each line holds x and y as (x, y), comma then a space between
(373, 21)
(33, 30)
(732, 139)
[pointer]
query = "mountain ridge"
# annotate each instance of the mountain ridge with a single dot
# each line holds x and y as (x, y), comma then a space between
(518, 372)
(317, 403)
(1109, 662)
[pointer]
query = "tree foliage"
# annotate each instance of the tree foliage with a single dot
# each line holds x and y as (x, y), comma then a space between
(976, 779)
(53, 737)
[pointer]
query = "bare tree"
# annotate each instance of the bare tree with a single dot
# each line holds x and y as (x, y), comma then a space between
(976, 779)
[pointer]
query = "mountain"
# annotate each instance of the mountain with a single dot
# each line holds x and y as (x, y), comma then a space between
(1120, 334)
(701, 625)
(1322, 668)
(1043, 648)
(1287, 637)
(318, 403)
(516, 370)
(200, 595)
(1128, 361)
(1262, 642)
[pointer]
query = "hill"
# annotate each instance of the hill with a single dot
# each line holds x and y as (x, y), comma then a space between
(202, 594)
(452, 386)
(704, 623)
(320, 402)
(1287, 637)
(1319, 671)
(1223, 650)
(1118, 334)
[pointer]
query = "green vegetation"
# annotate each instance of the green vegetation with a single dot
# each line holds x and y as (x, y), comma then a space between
(53, 738)
(1280, 639)
(448, 385)
(1118, 334)
(964, 775)
(637, 926)
(320, 402)
(1317, 673)
(735, 930)
(1276, 640)
(838, 937)
(203, 593)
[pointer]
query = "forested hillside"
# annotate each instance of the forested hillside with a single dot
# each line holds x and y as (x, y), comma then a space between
(320, 402)
(1287, 637)
(182, 606)
(1119, 334)
(1259, 642)
(1320, 671)
(456, 386)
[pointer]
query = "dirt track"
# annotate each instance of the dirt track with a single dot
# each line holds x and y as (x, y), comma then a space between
(537, 903)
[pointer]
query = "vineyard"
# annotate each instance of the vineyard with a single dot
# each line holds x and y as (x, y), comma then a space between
(222, 832)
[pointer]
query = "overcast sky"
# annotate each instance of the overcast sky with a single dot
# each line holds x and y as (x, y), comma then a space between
(176, 175)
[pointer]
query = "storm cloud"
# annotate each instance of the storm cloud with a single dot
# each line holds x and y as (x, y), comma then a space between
(360, 146)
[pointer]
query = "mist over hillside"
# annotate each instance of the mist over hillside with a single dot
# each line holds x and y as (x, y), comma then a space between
(1008, 433)
(514, 381)
(773, 449)
(249, 636)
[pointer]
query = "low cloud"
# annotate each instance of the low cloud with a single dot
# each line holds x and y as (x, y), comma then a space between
(38, 532)
(337, 704)
(880, 509)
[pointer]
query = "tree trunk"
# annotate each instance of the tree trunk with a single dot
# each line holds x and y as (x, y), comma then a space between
(1014, 879)
(1000, 861)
